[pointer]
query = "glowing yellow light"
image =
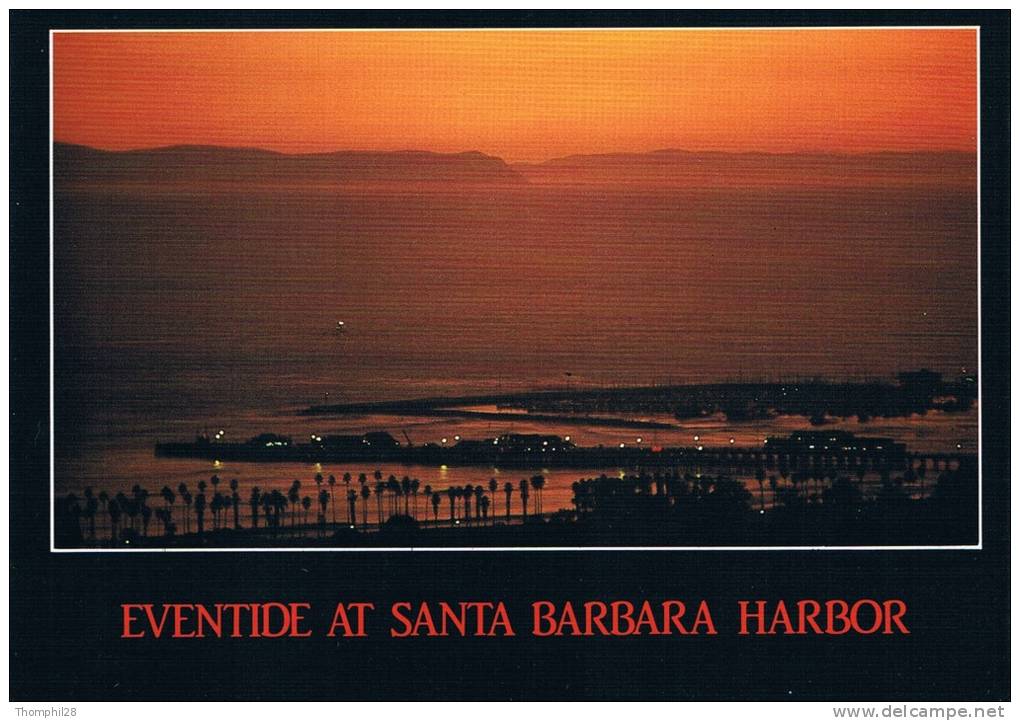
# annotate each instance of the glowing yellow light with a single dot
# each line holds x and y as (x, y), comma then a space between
(639, 439)
(697, 438)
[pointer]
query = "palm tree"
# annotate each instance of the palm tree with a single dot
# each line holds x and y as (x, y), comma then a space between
(200, 507)
(254, 500)
(435, 507)
(332, 483)
(215, 481)
(214, 506)
(493, 487)
(479, 492)
(182, 491)
(405, 488)
(393, 486)
(451, 493)
(352, 506)
(380, 489)
(294, 498)
(306, 503)
(508, 489)
(524, 498)
(235, 499)
(267, 508)
(323, 503)
(538, 483)
(466, 495)
(366, 493)
(415, 485)
(484, 502)
(113, 508)
(428, 499)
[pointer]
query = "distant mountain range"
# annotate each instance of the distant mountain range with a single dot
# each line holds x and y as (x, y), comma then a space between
(717, 169)
(201, 163)
(662, 168)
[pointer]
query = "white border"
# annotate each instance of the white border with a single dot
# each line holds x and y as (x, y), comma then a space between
(974, 547)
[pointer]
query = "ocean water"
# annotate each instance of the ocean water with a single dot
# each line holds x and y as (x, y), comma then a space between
(184, 308)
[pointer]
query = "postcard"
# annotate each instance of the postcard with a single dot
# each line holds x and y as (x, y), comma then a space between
(547, 357)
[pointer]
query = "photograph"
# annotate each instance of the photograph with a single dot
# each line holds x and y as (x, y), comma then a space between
(665, 287)
(510, 356)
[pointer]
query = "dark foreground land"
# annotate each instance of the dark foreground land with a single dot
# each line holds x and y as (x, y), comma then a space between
(643, 511)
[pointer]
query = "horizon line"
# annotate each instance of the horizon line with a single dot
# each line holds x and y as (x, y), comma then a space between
(599, 154)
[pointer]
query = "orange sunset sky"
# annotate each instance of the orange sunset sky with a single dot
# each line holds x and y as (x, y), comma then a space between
(521, 95)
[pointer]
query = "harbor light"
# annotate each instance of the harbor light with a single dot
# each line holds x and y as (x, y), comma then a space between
(567, 438)
(732, 441)
(623, 445)
(443, 440)
(639, 439)
(456, 438)
(697, 438)
(701, 448)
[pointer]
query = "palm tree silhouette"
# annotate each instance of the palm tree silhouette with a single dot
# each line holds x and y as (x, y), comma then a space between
(200, 507)
(306, 503)
(113, 508)
(524, 498)
(508, 489)
(493, 487)
(428, 500)
(405, 489)
(366, 493)
(294, 498)
(484, 503)
(415, 485)
(182, 491)
(466, 495)
(393, 486)
(235, 500)
(451, 493)
(380, 489)
(538, 483)
(332, 483)
(323, 504)
(435, 507)
(479, 492)
(254, 500)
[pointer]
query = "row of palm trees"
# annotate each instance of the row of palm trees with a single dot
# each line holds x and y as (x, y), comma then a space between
(210, 509)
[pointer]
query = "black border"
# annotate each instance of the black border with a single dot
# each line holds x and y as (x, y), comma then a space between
(64, 607)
